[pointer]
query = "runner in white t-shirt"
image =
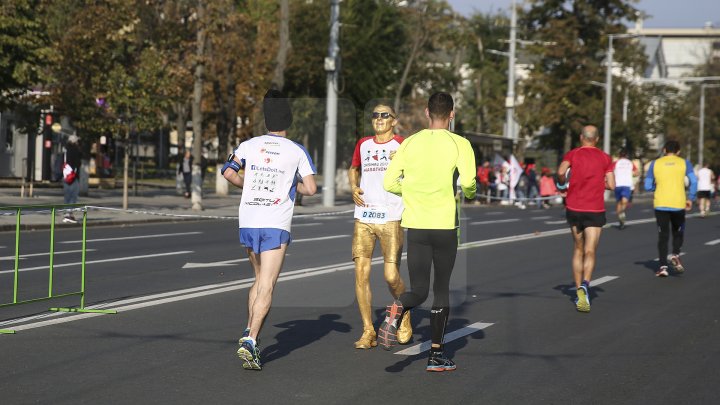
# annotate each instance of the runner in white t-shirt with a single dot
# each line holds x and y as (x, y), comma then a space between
(705, 188)
(624, 170)
(377, 217)
(275, 169)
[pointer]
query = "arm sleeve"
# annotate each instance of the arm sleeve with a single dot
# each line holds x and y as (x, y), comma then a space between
(650, 178)
(693, 180)
(392, 179)
(466, 168)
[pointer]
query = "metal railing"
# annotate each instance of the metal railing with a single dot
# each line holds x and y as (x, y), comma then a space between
(50, 295)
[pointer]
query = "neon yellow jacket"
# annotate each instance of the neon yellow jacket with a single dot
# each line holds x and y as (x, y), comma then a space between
(423, 173)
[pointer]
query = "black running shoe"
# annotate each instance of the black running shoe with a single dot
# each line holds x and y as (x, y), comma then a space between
(438, 362)
(387, 333)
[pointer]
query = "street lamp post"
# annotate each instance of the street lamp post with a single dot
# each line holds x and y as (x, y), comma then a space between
(510, 99)
(608, 89)
(332, 67)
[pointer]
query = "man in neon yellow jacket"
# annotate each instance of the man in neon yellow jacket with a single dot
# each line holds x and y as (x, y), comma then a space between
(423, 172)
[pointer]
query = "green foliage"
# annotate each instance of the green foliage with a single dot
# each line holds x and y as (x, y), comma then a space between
(23, 49)
(371, 46)
(559, 95)
(484, 99)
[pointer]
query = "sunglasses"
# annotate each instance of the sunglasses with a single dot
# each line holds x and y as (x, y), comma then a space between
(383, 115)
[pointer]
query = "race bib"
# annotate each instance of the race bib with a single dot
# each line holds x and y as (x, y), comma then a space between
(374, 215)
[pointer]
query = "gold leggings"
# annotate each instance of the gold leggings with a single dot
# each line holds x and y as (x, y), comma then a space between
(391, 238)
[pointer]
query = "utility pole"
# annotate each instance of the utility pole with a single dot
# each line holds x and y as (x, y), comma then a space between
(510, 99)
(332, 67)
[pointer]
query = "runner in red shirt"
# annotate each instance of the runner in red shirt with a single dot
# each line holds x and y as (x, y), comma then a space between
(591, 172)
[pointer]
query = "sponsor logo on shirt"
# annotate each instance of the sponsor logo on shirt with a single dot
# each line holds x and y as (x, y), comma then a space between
(266, 169)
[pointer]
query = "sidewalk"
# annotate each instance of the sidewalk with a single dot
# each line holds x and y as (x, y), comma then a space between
(152, 204)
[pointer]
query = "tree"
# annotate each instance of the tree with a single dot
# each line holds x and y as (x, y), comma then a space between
(371, 45)
(483, 107)
(24, 47)
(558, 93)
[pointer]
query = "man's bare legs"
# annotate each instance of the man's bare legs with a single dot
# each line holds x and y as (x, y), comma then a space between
(267, 266)
(583, 261)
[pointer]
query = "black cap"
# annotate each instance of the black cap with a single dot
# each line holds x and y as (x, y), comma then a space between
(278, 116)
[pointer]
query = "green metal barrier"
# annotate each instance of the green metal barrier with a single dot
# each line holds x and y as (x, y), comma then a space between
(18, 212)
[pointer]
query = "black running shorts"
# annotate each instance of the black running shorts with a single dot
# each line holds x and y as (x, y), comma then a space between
(584, 220)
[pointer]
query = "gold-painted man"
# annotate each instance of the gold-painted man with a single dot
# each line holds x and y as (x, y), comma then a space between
(377, 217)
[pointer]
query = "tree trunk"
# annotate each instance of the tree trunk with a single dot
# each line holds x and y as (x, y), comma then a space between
(278, 80)
(197, 109)
(420, 39)
(567, 142)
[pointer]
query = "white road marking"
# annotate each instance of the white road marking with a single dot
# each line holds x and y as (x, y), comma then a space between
(117, 259)
(564, 221)
(223, 263)
(713, 242)
(543, 217)
(457, 334)
(495, 213)
(202, 291)
(320, 238)
(601, 280)
(46, 254)
(161, 235)
(497, 221)
(309, 224)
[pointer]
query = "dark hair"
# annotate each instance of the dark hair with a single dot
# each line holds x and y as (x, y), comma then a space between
(623, 153)
(440, 105)
(672, 147)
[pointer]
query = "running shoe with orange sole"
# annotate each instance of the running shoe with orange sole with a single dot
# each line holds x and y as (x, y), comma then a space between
(387, 333)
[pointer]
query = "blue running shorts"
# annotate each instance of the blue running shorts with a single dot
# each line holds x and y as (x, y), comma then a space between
(622, 192)
(262, 239)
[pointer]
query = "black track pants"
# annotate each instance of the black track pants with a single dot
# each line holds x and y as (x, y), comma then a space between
(669, 221)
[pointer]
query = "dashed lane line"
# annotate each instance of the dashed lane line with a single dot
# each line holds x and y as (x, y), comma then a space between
(117, 259)
(449, 337)
(160, 235)
(497, 221)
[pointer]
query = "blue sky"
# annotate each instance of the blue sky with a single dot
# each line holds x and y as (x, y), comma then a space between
(665, 13)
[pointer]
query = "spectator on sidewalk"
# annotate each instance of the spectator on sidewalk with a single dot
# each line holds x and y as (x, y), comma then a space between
(71, 175)
(483, 178)
(185, 168)
(547, 187)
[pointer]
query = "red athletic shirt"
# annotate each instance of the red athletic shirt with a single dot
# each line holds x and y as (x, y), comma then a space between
(588, 166)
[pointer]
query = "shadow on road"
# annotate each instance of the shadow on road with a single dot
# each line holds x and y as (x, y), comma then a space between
(299, 333)
(569, 291)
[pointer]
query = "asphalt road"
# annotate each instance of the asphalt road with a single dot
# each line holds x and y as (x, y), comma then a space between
(181, 288)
